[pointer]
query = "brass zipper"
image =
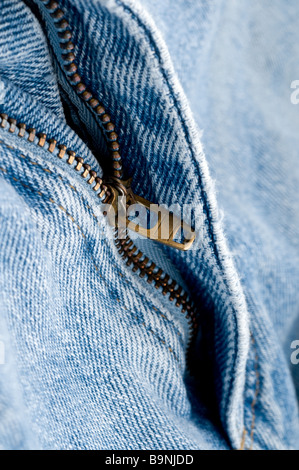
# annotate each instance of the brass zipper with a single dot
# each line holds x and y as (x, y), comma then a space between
(110, 187)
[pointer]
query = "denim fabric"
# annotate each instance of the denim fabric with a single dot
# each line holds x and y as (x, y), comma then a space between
(95, 357)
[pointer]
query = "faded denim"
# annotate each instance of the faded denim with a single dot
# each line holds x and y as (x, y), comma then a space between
(95, 357)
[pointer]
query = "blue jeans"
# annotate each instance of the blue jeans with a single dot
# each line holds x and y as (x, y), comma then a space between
(92, 354)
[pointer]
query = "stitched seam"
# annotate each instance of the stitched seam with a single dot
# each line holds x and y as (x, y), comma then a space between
(37, 165)
(253, 403)
(62, 209)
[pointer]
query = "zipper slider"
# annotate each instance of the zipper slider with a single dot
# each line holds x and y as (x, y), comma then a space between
(166, 225)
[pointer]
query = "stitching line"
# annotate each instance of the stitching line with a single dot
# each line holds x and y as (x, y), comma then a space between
(62, 209)
(254, 402)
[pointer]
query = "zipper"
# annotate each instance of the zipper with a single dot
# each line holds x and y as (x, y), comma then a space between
(111, 186)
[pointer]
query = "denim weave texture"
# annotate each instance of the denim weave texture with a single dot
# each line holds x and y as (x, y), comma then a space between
(95, 357)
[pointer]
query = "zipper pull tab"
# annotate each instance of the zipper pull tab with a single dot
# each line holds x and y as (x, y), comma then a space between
(166, 225)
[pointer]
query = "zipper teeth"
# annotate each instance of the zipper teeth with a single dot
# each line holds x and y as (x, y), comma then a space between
(67, 47)
(126, 248)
